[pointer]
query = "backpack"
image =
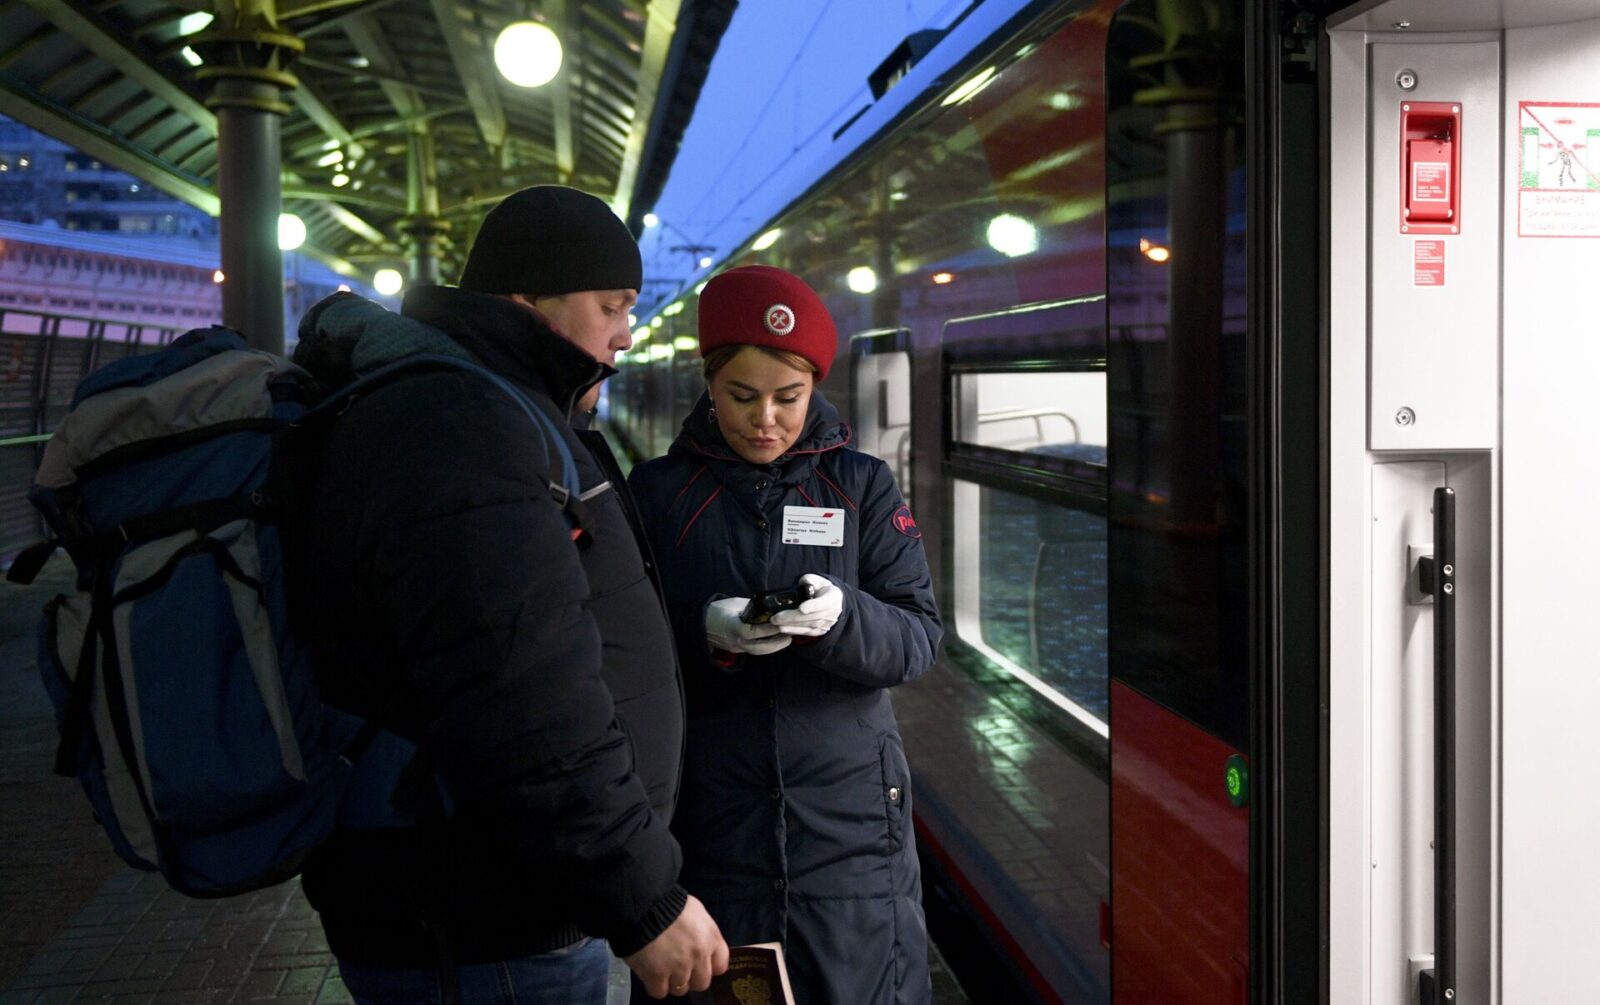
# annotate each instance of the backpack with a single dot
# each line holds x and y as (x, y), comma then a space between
(188, 706)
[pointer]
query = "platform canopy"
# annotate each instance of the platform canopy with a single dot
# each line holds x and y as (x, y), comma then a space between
(395, 125)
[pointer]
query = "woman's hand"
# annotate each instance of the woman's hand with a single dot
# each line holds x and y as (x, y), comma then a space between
(725, 630)
(816, 616)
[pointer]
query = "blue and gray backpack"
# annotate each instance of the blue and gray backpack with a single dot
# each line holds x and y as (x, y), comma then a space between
(189, 708)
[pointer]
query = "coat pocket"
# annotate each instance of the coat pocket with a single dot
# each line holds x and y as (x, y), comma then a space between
(896, 790)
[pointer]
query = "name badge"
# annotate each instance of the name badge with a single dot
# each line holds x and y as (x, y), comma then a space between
(813, 525)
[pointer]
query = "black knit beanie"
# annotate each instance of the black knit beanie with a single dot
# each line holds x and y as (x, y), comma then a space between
(548, 240)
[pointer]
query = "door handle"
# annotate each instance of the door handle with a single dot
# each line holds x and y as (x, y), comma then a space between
(1438, 578)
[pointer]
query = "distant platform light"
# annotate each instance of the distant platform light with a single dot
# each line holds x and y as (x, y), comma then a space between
(641, 333)
(861, 279)
(972, 85)
(218, 277)
(899, 195)
(700, 287)
(662, 350)
(767, 240)
(528, 54)
(330, 158)
(633, 319)
(340, 180)
(23, 162)
(133, 188)
(686, 343)
(676, 307)
(941, 278)
(1155, 252)
(198, 21)
(387, 282)
(1012, 236)
(344, 287)
(657, 321)
(650, 219)
(705, 261)
(291, 232)
(190, 56)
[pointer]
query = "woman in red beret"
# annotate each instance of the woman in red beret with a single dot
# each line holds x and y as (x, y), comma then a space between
(795, 807)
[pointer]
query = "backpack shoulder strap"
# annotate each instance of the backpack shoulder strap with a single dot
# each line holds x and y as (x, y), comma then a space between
(567, 492)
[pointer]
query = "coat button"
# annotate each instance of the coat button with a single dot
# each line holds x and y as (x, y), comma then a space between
(761, 524)
(894, 794)
(762, 484)
(772, 703)
(777, 793)
(778, 884)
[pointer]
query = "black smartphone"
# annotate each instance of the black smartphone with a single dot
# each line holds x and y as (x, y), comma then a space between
(765, 604)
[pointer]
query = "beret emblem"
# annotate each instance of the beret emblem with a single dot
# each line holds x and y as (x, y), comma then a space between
(779, 319)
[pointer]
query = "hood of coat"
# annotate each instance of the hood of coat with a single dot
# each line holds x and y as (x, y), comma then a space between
(700, 440)
(510, 340)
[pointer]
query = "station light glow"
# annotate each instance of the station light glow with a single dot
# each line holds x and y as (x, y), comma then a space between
(1155, 252)
(686, 343)
(387, 282)
(190, 56)
(700, 287)
(657, 321)
(641, 334)
(672, 309)
(198, 21)
(650, 219)
(217, 277)
(291, 232)
(633, 319)
(1012, 236)
(941, 278)
(972, 85)
(340, 180)
(662, 350)
(330, 158)
(528, 54)
(861, 279)
(767, 240)
(705, 261)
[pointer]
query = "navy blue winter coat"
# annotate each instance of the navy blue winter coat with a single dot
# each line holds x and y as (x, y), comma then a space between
(795, 810)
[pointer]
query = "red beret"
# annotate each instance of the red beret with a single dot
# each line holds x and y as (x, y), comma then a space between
(761, 305)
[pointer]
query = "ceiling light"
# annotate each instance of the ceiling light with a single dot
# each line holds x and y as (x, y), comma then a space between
(705, 261)
(686, 343)
(217, 276)
(941, 278)
(1012, 236)
(387, 282)
(191, 23)
(330, 158)
(528, 54)
(291, 232)
(862, 279)
(767, 240)
(340, 180)
(190, 56)
(650, 219)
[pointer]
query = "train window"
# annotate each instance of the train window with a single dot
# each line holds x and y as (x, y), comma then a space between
(880, 399)
(1058, 414)
(1030, 593)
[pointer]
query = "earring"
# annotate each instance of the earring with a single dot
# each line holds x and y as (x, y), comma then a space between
(711, 413)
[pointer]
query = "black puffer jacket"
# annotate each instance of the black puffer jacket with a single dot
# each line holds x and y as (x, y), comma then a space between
(795, 816)
(539, 678)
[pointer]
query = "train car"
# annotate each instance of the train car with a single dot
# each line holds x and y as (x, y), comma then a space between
(1227, 353)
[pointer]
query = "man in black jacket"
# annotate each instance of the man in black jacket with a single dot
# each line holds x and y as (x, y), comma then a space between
(519, 641)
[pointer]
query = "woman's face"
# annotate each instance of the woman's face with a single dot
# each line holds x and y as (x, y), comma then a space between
(761, 404)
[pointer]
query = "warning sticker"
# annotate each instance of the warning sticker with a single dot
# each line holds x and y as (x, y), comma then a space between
(1558, 169)
(1428, 264)
(1430, 181)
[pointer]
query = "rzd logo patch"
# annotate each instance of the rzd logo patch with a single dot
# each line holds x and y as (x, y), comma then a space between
(905, 523)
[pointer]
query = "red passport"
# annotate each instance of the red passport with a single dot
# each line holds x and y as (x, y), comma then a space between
(755, 976)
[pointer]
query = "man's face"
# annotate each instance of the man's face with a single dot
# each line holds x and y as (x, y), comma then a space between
(595, 321)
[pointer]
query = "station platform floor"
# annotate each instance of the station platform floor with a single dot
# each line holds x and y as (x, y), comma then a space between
(78, 925)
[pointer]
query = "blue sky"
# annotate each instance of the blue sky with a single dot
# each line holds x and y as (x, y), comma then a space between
(786, 76)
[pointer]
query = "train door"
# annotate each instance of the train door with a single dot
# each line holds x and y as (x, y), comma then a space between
(880, 399)
(1178, 503)
(1464, 242)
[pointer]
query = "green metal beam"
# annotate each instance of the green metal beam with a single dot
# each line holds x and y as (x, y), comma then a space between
(20, 102)
(561, 87)
(660, 25)
(473, 56)
(101, 38)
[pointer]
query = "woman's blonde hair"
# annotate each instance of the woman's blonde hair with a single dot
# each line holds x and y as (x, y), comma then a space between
(718, 358)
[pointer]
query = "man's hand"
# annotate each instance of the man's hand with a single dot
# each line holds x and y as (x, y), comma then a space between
(684, 957)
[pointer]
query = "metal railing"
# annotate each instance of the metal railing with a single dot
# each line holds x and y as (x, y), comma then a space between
(43, 356)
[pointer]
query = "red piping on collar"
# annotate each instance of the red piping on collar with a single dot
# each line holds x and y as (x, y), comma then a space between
(692, 479)
(685, 532)
(804, 494)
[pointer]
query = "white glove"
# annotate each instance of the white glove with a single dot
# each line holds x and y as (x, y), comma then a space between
(816, 616)
(725, 631)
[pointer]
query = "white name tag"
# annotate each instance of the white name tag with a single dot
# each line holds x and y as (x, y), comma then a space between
(813, 525)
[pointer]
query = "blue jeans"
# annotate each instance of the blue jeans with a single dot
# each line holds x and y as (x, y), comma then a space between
(575, 975)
